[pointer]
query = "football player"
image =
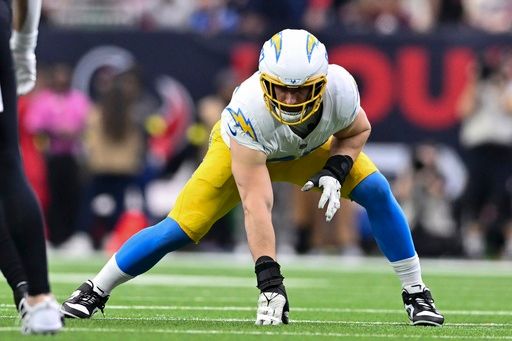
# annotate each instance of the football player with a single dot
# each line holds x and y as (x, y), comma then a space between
(22, 243)
(297, 119)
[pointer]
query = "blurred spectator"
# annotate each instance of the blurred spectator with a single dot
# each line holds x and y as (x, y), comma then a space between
(210, 107)
(317, 15)
(212, 17)
(421, 192)
(58, 114)
(252, 24)
(421, 14)
(256, 18)
(170, 14)
(493, 16)
(427, 15)
(486, 135)
(260, 18)
(143, 103)
(33, 159)
(448, 12)
(385, 17)
(114, 147)
(96, 13)
(145, 111)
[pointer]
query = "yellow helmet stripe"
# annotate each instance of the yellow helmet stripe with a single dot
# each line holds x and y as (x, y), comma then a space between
(311, 43)
(277, 42)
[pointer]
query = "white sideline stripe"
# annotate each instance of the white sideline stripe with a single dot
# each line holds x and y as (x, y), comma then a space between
(190, 280)
(268, 333)
(334, 263)
(4, 306)
(316, 263)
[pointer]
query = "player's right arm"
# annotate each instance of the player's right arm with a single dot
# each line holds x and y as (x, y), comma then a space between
(255, 188)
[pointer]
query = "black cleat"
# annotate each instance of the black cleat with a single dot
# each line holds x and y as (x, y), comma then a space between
(420, 308)
(83, 302)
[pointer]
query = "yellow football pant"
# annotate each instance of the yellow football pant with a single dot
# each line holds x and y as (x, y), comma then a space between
(211, 192)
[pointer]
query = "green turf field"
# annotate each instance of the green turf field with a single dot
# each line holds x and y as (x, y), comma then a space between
(205, 296)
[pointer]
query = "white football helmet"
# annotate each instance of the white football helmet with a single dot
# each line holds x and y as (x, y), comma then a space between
(293, 58)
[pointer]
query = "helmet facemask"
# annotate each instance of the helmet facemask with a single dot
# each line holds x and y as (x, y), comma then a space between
(293, 114)
(294, 59)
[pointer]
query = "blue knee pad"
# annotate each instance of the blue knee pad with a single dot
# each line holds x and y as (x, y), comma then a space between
(145, 248)
(389, 225)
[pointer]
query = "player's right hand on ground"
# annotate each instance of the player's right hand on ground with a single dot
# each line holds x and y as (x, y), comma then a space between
(273, 307)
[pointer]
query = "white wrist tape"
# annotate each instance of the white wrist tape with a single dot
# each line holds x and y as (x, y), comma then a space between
(23, 42)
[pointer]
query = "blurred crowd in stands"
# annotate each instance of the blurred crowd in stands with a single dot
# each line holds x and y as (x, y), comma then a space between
(257, 17)
(99, 169)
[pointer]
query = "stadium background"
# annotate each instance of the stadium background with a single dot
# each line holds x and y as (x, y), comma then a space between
(411, 60)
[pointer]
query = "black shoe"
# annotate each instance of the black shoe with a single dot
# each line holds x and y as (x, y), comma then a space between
(84, 302)
(420, 308)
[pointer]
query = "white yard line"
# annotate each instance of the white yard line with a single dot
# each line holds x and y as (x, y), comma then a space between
(295, 309)
(293, 321)
(267, 333)
(320, 310)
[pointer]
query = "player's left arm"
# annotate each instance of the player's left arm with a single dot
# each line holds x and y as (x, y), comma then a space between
(345, 147)
(23, 42)
(351, 140)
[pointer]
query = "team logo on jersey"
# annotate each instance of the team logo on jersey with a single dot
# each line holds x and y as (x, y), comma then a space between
(243, 123)
(311, 43)
(277, 42)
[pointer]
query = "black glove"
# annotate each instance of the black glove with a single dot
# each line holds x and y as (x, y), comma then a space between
(273, 307)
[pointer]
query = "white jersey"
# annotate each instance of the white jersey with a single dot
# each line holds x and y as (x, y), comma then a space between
(247, 120)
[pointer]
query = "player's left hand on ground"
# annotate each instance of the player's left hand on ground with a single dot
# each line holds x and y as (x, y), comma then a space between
(23, 47)
(330, 193)
(273, 307)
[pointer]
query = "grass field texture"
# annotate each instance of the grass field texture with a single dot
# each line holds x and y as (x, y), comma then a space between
(207, 296)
